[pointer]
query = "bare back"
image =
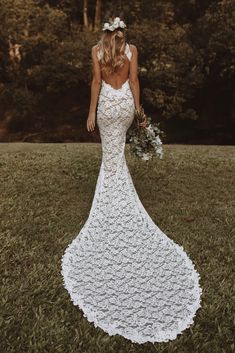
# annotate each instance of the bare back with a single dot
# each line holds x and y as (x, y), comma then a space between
(117, 79)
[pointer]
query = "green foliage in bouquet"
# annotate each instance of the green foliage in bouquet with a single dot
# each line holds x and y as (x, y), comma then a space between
(144, 141)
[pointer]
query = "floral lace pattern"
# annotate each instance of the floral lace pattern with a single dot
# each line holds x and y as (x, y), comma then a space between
(125, 274)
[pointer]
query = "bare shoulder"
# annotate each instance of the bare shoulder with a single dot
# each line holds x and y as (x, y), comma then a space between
(133, 49)
(94, 48)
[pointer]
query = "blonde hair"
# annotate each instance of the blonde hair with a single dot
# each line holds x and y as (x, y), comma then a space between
(111, 48)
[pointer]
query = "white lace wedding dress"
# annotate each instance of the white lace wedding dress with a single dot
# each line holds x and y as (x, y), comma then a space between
(125, 274)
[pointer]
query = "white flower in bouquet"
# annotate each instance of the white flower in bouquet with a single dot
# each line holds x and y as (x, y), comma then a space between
(150, 131)
(146, 156)
(145, 142)
(158, 141)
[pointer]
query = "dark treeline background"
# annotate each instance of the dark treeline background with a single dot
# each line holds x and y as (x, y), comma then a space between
(186, 66)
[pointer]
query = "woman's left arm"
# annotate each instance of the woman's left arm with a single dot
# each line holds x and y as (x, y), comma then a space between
(95, 89)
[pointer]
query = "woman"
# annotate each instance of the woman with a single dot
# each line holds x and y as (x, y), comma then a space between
(126, 275)
(115, 68)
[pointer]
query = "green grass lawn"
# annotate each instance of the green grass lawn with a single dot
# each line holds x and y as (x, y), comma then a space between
(46, 194)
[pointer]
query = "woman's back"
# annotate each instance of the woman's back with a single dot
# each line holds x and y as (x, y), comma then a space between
(117, 79)
(126, 275)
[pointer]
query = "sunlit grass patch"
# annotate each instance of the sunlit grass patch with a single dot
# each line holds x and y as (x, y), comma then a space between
(46, 194)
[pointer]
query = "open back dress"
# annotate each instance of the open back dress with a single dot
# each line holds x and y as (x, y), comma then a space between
(124, 273)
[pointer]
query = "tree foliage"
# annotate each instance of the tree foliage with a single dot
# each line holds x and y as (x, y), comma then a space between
(186, 55)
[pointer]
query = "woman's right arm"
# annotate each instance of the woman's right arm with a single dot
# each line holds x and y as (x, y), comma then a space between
(95, 89)
(133, 77)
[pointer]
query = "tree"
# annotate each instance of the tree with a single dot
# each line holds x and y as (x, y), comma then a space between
(97, 15)
(186, 56)
(214, 38)
(170, 70)
(85, 15)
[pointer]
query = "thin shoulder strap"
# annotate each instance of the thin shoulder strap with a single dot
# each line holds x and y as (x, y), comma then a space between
(128, 51)
(98, 53)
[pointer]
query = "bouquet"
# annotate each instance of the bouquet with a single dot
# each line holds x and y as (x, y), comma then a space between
(145, 142)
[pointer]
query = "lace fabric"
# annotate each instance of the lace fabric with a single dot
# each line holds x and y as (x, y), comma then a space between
(127, 276)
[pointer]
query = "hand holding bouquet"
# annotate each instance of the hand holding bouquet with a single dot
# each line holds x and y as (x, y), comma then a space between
(144, 137)
(141, 117)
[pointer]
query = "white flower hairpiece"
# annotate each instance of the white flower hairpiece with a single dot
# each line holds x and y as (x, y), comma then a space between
(116, 23)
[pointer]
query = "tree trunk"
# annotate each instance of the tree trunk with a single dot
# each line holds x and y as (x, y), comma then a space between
(85, 17)
(233, 106)
(97, 15)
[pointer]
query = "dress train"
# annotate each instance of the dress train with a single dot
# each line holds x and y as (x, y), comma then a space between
(125, 274)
